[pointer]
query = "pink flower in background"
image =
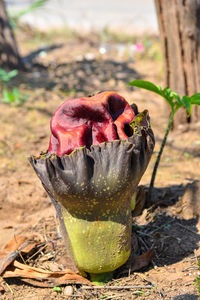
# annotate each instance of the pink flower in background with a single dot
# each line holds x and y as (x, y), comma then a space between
(139, 47)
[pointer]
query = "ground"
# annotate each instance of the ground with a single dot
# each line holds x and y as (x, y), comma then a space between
(75, 66)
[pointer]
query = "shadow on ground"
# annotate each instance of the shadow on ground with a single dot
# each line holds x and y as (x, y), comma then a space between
(173, 239)
(168, 225)
(86, 76)
(186, 297)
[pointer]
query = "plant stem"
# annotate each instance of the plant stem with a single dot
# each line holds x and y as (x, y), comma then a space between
(159, 156)
(101, 278)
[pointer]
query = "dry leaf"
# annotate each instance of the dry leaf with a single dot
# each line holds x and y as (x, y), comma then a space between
(11, 250)
(20, 270)
(8, 227)
(10, 267)
(142, 260)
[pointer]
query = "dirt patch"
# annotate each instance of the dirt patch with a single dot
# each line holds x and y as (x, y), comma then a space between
(169, 224)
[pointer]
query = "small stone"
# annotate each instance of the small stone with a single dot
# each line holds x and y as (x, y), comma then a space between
(68, 291)
(54, 294)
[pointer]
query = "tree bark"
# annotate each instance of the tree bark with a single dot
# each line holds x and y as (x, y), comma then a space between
(9, 55)
(179, 24)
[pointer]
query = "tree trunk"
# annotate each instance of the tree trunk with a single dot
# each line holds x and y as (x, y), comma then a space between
(179, 24)
(9, 56)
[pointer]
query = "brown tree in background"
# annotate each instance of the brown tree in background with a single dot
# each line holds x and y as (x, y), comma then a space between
(179, 24)
(9, 55)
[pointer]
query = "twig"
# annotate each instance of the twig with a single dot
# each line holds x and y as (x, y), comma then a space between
(143, 242)
(122, 294)
(27, 296)
(22, 257)
(119, 287)
(115, 296)
(160, 227)
(45, 236)
(34, 254)
(188, 229)
(19, 252)
(144, 234)
(10, 289)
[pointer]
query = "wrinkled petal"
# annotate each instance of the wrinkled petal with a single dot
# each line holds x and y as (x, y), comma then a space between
(90, 121)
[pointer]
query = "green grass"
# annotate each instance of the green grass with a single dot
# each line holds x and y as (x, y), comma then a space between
(197, 282)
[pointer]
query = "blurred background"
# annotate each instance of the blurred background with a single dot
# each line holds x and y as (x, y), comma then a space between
(90, 15)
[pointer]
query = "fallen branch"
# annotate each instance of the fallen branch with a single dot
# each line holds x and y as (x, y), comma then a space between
(118, 287)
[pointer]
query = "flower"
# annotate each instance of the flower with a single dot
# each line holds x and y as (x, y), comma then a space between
(89, 121)
(99, 149)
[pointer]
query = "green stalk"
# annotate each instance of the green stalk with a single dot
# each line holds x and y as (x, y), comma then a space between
(151, 186)
(99, 246)
(102, 278)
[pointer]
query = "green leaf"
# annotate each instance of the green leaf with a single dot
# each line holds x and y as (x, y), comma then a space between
(3, 75)
(17, 94)
(198, 263)
(187, 103)
(57, 289)
(195, 99)
(167, 94)
(25, 98)
(147, 85)
(29, 9)
(6, 76)
(8, 96)
(14, 96)
(12, 74)
(178, 98)
(138, 293)
(19, 97)
(187, 155)
(5, 96)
